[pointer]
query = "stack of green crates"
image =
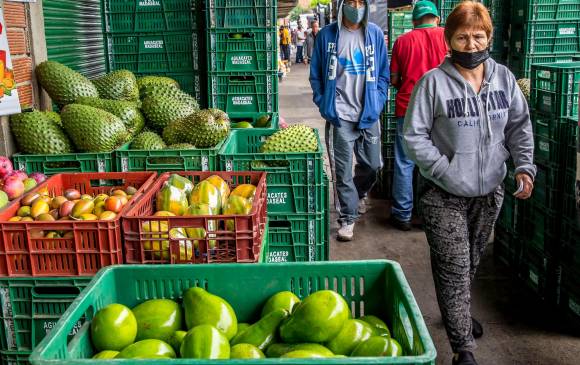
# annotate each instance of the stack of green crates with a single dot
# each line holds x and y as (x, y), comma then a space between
(298, 195)
(242, 60)
(159, 37)
(542, 31)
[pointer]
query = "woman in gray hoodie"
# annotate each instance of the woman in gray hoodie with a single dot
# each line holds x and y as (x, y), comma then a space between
(465, 119)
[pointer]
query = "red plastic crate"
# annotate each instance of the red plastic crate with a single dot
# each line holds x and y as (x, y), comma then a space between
(241, 245)
(95, 244)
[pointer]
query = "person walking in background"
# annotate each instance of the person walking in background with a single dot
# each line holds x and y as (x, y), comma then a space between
(310, 38)
(349, 76)
(464, 120)
(284, 43)
(414, 54)
(300, 38)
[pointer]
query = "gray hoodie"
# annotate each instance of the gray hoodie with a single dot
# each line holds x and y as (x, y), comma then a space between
(461, 140)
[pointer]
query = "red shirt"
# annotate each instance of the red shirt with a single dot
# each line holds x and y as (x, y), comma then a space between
(414, 54)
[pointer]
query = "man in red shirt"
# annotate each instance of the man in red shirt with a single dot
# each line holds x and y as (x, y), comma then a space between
(414, 54)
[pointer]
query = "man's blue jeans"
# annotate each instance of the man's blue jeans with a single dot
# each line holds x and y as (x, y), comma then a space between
(402, 179)
(299, 55)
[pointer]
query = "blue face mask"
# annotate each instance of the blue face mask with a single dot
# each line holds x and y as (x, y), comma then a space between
(354, 15)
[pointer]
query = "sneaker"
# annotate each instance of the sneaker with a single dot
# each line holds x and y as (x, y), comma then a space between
(363, 205)
(464, 358)
(476, 328)
(346, 232)
(400, 225)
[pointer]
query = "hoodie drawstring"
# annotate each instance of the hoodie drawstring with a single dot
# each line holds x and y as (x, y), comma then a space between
(465, 99)
(489, 94)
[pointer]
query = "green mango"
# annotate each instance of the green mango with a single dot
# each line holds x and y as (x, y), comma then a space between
(147, 349)
(246, 351)
(107, 354)
(176, 339)
(318, 318)
(378, 324)
(242, 327)
(242, 125)
(205, 342)
(282, 300)
(263, 121)
(262, 333)
(113, 328)
(279, 349)
(395, 348)
(157, 319)
(352, 333)
(202, 307)
(375, 346)
(302, 354)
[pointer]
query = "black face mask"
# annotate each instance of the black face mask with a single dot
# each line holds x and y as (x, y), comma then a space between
(469, 60)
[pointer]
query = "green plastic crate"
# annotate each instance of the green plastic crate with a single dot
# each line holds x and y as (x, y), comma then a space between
(541, 273)
(569, 301)
(554, 89)
(546, 38)
(153, 53)
(400, 22)
(198, 159)
(521, 64)
(242, 153)
(570, 199)
(540, 227)
(544, 10)
(241, 13)
(388, 129)
(122, 16)
(241, 94)
(14, 357)
(191, 82)
(242, 50)
(252, 119)
(380, 285)
(66, 162)
(31, 308)
(298, 238)
(496, 8)
(547, 186)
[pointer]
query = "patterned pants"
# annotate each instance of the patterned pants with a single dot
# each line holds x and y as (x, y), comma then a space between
(457, 230)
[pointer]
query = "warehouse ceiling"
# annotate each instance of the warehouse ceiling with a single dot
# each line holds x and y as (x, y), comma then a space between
(284, 7)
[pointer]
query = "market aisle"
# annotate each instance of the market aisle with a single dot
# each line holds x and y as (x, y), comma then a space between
(517, 329)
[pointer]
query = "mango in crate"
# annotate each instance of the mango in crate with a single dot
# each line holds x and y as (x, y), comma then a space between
(206, 193)
(236, 205)
(171, 199)
(181, 182)
(245, 191)
(222, 186)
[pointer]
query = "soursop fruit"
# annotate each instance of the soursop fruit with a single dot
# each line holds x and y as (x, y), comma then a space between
(127, 111)
(144, 81)
(63, 84)
(54, 117)
(161, 111)
(296, 138)
(203, 129)
(524, 85)
(180, 146)
(169, 92)
(118, 85)
(147, 141)
(92, 129)
(36, 133)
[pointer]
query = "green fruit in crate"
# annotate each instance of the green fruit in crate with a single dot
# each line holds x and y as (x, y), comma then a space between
(246, 351)
(92, 129)
(236, 205)
(222, 186)
(147, 349)
(127, 111)
(168, 91)
(282, 300)
(279, 349)
(205, 342)
(171, 199)
(352, 333)
(206, 193)
(35, 133)
(157, 319)
(242, 327)
(4, 199)
(204, 129)
(524, 85)
(302, 354)
(181, 182)
(176, 339)
(118, 85)
(200, 232)
(147, 141)
(374, 346)
(395, 348)
(263, 121)
(242, 125)
(318, 318)
(202, 307)
(106, 355)
(185, 245)
(53, 117)
(379, 325)
(161, 111)
(180, 146)
(296, 138)
(262, 333)
(145, 81)
(237, 36)
(113, 328)
(63, 84)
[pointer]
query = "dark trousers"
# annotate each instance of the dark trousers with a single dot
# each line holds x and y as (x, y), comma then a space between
(299, 54)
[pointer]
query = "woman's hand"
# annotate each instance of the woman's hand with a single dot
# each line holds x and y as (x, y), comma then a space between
(526, 180)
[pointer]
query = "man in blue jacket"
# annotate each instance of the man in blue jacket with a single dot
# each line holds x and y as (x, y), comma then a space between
(349, 76)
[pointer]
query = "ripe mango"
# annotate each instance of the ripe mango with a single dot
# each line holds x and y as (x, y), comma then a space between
(29, 198)
(107, 216)
(38, 207)
(82, 207)
(45, 217)
(23, 211)
(88, 217)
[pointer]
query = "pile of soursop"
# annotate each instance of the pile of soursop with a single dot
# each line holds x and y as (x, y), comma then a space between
(103, 114)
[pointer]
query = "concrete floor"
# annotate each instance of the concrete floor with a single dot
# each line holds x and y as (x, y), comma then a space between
(518, 330)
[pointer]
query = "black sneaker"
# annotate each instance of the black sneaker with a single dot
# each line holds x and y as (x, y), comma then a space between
(400, 225)
(476, 328)
(464, 358)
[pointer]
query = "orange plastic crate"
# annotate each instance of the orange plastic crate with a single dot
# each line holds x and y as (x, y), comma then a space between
(95, 244)
(241, 245)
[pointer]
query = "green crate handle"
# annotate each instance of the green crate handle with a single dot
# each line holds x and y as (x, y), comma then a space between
(152, 165)
(54, 171)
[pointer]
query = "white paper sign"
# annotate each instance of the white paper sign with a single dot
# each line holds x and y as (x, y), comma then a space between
(9, 102)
